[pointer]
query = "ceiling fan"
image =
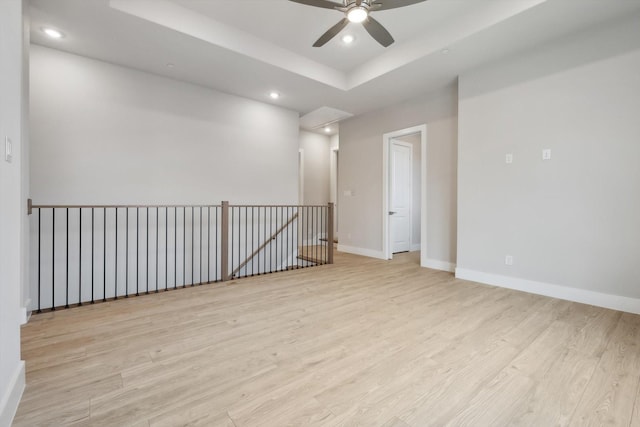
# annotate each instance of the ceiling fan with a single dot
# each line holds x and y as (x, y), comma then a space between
(358, 11)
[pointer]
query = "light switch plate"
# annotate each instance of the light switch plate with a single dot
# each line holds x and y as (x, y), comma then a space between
(546, 154)
(508, 159)
(8, 149)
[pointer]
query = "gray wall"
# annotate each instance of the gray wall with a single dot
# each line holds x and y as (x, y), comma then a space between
(316, 150)
(11, 206)
(572, 220)
(107, 134)
(360, 170)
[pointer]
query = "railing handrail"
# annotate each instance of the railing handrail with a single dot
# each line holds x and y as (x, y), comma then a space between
(120, 206)
(167, 206)
(88, 241)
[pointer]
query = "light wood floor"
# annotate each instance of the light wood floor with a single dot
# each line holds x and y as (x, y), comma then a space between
(361, 342)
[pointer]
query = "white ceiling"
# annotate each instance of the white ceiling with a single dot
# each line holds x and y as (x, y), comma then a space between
(251, 47)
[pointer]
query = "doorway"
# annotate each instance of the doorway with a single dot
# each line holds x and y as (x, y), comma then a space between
(404, 225)
(300, 176)
(333, 189)
(400, 195)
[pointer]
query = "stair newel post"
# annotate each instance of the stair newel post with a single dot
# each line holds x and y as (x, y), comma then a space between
(224, 242)
(330, 233)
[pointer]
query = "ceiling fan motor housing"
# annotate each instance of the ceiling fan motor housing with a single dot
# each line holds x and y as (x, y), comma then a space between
(358, 11)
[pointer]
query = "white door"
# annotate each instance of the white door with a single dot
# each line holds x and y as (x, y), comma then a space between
(400, 196)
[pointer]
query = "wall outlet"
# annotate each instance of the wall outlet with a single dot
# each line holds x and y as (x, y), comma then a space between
(508, 260)
(508, 159)
(8, 149)
(546, 154)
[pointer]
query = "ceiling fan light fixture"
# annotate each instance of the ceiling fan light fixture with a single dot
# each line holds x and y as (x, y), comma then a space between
(357, 14)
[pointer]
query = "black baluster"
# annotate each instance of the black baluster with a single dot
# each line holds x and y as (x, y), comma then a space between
(39, 261)
(184, 247)
(157, 231)
(104, 255)
(147, 248)
(200, 264)
(66, 305)
(192, 246)
(276, 237)
(208, 244)
(53, 259)
(92, 253)
(115, 271)
(137, 251)
(253, 224)
(166, 248)
(217, 250)
(239, 238)
(80, 256)
(175, 248)
(126, 277)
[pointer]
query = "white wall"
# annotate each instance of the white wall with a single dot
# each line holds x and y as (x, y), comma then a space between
(360, 171)
(25, 156)
(571, 223)
(102, 133)
(316, 150)
(11, 206)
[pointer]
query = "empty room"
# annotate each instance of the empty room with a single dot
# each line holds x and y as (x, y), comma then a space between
(394, 213)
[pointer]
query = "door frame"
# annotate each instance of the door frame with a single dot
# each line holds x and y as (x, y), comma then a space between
(386, 146)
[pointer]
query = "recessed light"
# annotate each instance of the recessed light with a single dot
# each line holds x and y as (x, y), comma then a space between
(54, 34)
(348, 39)
(274, 95)
(327, 129)
(444, 51)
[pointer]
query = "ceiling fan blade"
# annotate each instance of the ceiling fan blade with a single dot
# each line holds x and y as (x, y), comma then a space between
(378, 32)
(331, 33)
(392, 4)
(326, 4)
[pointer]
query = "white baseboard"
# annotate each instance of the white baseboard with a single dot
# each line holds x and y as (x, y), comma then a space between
(25, 313)
(12, 395)
(415, 247)
(436, 264)
(615, 302)
(361, 251)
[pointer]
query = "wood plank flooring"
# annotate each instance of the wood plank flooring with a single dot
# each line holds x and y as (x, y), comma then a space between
(362, 342)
